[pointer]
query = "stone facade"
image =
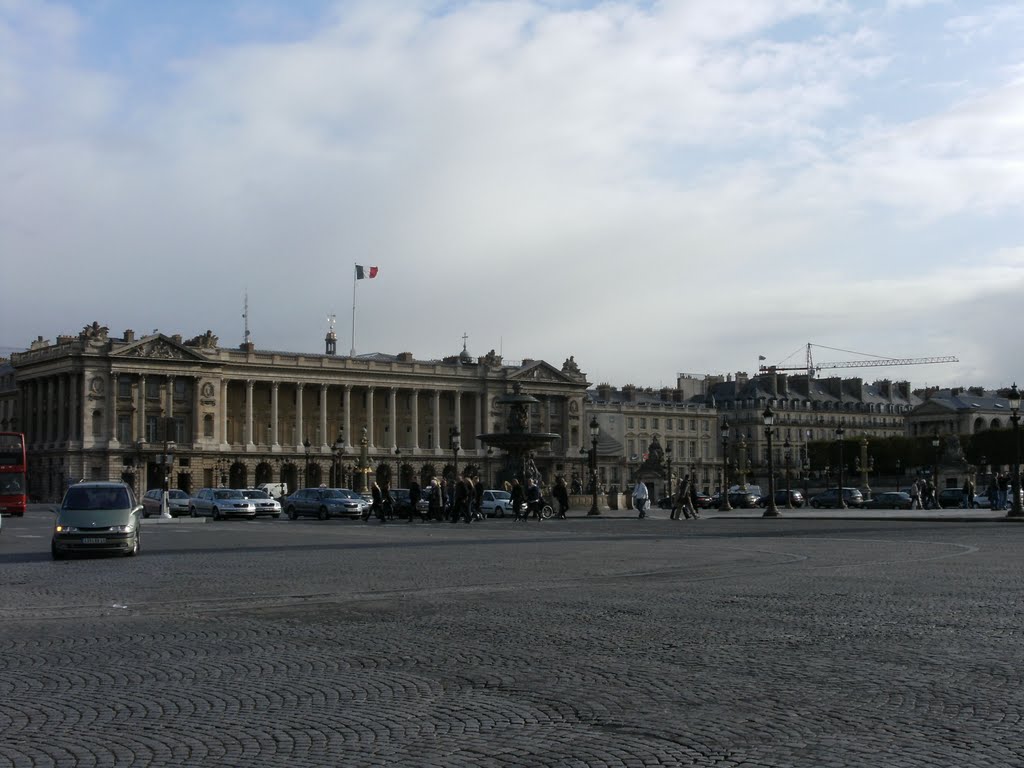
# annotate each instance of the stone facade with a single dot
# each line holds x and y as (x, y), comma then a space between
(96, 406)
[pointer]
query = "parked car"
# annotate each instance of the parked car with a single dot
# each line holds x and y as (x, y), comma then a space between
(177, 502)
(324, 503)
(795, 497)
(951, 498)
(221, 503)
(496, 503)
(274, 490)
(97, 517)
(401, 502)
(265, 503)
(889, 500)
(829, 498)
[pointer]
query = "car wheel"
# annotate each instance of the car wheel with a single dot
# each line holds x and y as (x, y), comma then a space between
(322, 513)
(499, 511)
(136, 546)
(192, 512)
(55, 553)
(292, 514)
(216, 514)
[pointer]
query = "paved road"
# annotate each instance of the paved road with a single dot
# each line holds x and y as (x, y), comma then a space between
(587, 642)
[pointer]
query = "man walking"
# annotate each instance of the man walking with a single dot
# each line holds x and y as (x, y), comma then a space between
(640, 496)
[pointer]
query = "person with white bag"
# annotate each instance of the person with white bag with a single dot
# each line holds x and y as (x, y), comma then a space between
(640, 497)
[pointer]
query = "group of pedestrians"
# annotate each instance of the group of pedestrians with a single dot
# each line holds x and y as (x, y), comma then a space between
(684, 500)
(448, 500)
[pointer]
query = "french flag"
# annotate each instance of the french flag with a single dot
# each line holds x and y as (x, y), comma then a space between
(362, 272)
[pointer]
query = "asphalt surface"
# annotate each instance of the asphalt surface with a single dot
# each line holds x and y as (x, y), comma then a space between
(720, 642)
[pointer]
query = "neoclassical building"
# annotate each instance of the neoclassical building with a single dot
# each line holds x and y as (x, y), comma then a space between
(97, 406)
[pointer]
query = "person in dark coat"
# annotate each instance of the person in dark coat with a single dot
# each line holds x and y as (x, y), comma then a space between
(460, 501)
(561, 494)
(518, 500)
(478, 499)
(414, 498)
(435, 501)
(377, 503)
(534, 499)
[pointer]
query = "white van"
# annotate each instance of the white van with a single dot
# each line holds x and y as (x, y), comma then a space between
(276, 490)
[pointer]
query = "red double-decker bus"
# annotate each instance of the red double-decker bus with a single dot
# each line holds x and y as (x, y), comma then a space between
(13, 491)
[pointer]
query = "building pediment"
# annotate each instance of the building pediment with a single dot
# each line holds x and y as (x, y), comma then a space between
(540, 372)
(936, 408)
(158, 347)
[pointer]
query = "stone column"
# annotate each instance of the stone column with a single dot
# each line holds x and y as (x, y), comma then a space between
(369, 417)
(299, 434)
(250, 388)
(437, 420)
(274, 444)
(324, 446)
(393, 405)
(222, 415)
(62, 401)
(73, 412)
(197, 410)
(347, 428)
(478, 423)
(112, 396)
(415, 420)
(457, 398)
(140, 417)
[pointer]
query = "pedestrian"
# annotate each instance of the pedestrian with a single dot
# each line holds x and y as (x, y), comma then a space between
(968, 502)
(435, 500)
(640, 497)
(915, 495)
(992, 491)
(693, 506)
(459, 500)
(478, 499)
(414, 499)
(1004, 488)
(376, 503)
(561, 494)
(518, 501)
(534, 499)
(679, 499)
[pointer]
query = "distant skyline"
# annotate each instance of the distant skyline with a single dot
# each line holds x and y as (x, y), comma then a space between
(652, 188)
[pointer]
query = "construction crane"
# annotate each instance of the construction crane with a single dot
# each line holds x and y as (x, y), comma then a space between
(873, 360)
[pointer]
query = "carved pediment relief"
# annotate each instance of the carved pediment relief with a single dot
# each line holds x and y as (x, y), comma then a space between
(540, 371)
(158, 348)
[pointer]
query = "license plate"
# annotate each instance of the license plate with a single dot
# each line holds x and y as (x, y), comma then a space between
(94, 541)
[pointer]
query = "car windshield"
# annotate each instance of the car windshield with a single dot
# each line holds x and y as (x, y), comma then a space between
(502, 495)
(177, 495)
(333, 493)
(347, 494)
(228, 495)
(96, 498)
(255, 495)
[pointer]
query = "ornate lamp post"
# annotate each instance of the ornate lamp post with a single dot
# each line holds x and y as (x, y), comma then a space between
(339, 452)
(398, 467)
(1014, 399)
(806, 469)
(840, 498)
(487, 466)
(787, 456)
(168, 464)
(455, 436)
(723, 505)
(769, 427)
(864, 465)
(668, 472)
(364, 459)
(899, 473)
(305, 473)
(744, 460)
(140, 444)
(595, 430)
(936, 446)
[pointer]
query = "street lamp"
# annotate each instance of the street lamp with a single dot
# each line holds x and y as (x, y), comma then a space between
(339, 452)
(305, 476)
(865, 465)
(936, 443)
(455, 435)
(841, 501)
(769, 426)
(398, 467)
(595, 430)
(168, 462)
(899, 473)
(1014, 398)
(364, 459)
(787, 448)
(668, 472)
(723, 502)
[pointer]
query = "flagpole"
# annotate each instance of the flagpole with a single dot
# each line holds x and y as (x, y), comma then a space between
(352, 352)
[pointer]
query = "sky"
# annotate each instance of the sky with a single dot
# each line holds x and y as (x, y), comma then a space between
(653, 188)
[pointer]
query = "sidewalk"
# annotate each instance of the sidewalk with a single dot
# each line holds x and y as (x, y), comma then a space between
(808, 513)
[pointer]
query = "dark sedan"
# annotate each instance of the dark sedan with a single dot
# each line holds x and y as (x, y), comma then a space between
(889, 500)
(796, 499)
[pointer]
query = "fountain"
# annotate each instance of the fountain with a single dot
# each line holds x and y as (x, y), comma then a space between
(517, 441)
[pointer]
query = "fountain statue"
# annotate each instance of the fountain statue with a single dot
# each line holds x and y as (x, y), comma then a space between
(517, 441)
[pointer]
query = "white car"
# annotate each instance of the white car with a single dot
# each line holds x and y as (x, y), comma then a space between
(265, 503)
(496, 503)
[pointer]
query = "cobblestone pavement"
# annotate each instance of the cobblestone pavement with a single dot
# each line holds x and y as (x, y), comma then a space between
(595, 642)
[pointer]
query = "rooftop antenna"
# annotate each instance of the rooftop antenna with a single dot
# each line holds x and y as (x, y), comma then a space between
(245, 316)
